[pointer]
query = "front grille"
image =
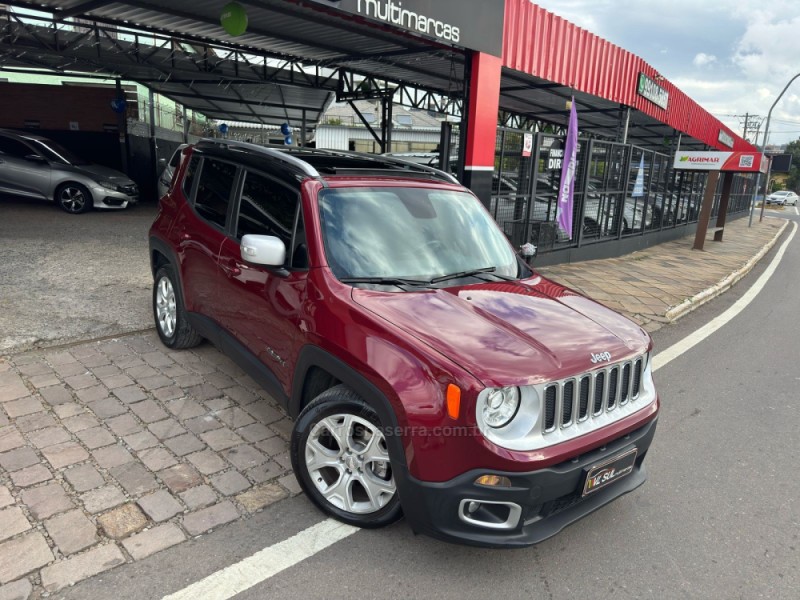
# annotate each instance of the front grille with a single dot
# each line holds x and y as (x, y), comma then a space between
(637, 377)
(568, 403)
(598, 392)
(599, 388)
(550, 408)
(583, 407)
(626, 382)
(612, 387)
(130, 190)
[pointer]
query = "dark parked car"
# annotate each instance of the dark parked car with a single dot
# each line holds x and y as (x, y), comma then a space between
(429, 372)
(37, 167)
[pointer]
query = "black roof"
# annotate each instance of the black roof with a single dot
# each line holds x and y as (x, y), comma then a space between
(316, 163)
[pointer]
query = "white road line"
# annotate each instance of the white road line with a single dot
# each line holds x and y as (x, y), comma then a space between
(270, 561)
(262, 565)
(690, 341)
(797, 212)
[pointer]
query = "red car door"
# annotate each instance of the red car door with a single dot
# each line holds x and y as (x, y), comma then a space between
(262, 305)
(199, 233)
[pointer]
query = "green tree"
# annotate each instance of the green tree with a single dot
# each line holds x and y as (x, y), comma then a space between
(793, 181)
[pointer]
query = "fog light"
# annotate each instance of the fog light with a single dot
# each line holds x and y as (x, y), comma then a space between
(493, 481)
(472, 507)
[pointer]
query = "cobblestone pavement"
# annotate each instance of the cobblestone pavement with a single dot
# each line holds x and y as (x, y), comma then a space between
(111, 451)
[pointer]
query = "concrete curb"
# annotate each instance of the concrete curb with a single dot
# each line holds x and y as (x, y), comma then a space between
(696, 301)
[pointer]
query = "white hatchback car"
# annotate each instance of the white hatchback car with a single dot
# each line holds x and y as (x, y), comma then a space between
(783, 197)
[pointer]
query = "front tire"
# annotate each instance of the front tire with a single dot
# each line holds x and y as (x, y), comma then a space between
(341, 460)
(74, 198)
(170, 314)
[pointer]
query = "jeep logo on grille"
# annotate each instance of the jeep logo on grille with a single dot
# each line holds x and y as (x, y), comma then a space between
(602, 357)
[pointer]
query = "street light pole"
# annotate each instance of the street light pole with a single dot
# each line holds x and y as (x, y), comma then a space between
(766, 139)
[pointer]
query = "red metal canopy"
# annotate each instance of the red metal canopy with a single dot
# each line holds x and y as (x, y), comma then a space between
(539, 43)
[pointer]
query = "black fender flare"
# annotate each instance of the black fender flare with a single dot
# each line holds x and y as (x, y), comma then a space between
(313, 356)
(159, 245)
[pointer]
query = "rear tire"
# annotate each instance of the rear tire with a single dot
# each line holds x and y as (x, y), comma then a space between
(341, 460)
(169, 312)
(74, 198)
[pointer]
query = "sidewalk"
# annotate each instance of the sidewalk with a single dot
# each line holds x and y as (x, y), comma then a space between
(660, 284)
(113, 450)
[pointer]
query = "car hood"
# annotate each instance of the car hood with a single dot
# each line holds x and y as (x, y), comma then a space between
(511, 333)
(105, 173)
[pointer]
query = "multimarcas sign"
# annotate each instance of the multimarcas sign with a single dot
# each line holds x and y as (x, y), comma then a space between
(473, 24)
(741, 162)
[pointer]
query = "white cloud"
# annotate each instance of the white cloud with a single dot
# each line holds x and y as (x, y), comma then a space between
(701, 59)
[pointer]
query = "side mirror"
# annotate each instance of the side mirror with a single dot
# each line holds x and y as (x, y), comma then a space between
(527, 252)
(36, 158)
(265, 250)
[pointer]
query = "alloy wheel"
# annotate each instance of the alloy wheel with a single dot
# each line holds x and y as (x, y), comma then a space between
(166, 309)
(348, 462)
(72, 199)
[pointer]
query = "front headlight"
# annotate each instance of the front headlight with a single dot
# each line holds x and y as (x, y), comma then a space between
(500, 406)
(109, 185)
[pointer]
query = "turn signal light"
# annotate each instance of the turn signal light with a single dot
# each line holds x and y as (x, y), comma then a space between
(453, 401)
(493, 480)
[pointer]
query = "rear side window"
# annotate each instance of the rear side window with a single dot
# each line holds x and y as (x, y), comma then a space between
(14, 148)
(267, 208)
(214, 190)
(176, 158)
(189, 177)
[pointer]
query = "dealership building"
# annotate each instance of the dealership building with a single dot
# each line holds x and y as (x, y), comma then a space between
(500, 74)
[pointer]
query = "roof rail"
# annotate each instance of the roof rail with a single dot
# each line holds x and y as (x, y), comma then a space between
(381, 158)
(279, 153)
(298, 163)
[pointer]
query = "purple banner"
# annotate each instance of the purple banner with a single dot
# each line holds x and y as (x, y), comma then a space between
(568, 169)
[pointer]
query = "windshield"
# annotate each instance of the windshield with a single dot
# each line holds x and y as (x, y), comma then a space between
(412, 233)
(56, 152)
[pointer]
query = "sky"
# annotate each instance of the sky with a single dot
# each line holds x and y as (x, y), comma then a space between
(732, 57)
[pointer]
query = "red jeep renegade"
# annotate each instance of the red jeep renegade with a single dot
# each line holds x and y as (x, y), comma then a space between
(429, 372)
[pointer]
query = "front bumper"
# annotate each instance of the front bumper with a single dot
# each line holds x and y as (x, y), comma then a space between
(106, 198)
(548, 499)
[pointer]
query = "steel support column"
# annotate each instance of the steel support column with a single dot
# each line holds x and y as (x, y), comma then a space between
(122, 129)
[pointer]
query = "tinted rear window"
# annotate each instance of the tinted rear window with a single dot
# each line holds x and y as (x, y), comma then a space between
(214, 190)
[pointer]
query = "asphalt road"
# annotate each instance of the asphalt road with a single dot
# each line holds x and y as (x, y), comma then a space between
(718, 518)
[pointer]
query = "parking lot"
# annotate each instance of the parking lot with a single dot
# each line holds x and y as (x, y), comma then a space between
(65, 278)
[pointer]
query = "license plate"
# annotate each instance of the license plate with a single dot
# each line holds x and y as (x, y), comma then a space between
(609, 471)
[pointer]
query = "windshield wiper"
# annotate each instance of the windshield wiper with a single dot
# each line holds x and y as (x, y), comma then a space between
(398, 281)
(461, 274)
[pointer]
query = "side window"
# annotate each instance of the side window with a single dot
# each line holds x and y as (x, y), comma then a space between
(14, 148)
(214, 190)
(188, 178)
(176, 158)
(267, 208)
